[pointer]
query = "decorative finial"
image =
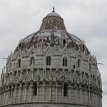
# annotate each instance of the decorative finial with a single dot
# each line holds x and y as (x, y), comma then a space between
(53, 9)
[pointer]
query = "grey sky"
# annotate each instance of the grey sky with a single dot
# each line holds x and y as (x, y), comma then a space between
(85, 18)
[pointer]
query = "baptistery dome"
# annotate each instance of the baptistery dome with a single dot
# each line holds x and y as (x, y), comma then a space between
(51, 68)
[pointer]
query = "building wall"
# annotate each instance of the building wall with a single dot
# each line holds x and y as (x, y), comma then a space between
(50, 92)
(84, 82)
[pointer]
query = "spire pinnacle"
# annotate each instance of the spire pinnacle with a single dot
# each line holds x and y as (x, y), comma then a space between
(53, 9)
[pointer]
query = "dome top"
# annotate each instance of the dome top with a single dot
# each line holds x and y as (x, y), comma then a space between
(53, 21)
(52, 33)
(53, 13)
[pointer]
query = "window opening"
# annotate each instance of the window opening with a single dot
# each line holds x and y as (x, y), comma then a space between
(64, 61)
(64, 42)
(73, 66)
(65, 91)
(19, 63)
(35, 89)
(48, 60)
(32, 61)
(79, 62)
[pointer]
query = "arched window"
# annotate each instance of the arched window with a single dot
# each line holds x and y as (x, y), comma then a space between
(73, 66)
(34, 88)
(65, 90)
(48, 60)
(32, 61)
(64, 42)
(79, 62)
(19, 63)
(64, 61)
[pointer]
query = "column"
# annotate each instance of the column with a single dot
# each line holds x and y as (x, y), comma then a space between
(1, 98)
(38, 91)
(30, 87)
(75, 95)
(85, 96)
(10, 95)
(88, 97)
(7, 97)
(12, 90)
(80, 95)
(56, 92)
(25, 92)
(4, 97)
(19, 100)
(69, 94)
(62, 91)
(43, 91)
(15, 94)
(50, 92)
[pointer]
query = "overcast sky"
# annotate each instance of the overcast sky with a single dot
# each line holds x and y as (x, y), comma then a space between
(87, 19)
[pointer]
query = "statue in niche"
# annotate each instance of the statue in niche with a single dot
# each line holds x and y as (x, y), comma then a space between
(70, 45)
(57, 41)
(39, 42)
